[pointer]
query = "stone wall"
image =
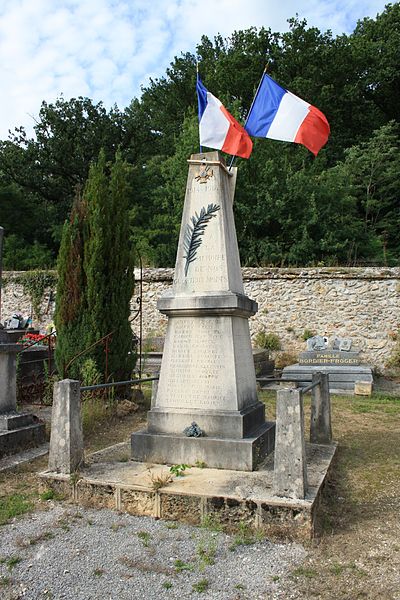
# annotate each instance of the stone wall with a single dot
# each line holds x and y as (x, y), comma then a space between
(361, 303)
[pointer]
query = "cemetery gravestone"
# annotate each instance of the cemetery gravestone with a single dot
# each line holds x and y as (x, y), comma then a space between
(340, 361)
(17, 430)
(207, 376)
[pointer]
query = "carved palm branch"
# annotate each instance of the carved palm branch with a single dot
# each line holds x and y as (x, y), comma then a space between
(193, 235)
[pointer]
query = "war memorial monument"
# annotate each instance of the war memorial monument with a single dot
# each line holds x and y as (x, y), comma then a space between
(206, 407)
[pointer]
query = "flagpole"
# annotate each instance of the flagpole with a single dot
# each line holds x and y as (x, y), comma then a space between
(197, 77)
(251, 108)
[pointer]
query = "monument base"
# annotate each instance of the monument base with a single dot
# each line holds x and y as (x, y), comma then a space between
(340, 377)
(236, 454)
(230, 424)
(19, 431)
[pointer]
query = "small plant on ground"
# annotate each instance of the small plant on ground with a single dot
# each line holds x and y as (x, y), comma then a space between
(179, 470)
(206, 551)
(172, 525)
(4, 580)
(47, 495)
(212, 523)
(144, 537)
(305, 572)
(245, 536)
(200, 586)
(307, 334)
(167, 585)
(98, 572)
(160, 480)
(12, 561)
(200, 464)
(180, 566)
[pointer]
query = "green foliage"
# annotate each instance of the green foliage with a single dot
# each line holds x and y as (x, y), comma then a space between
(245, 536)
(96, 279)
(267, 341)
(14, 505)
(200, 586)
(291, 209)
(178, 470)
(180, 566)
(144, 537)
(34, 284)
(47, 495)
(167, 585)
(307, 334)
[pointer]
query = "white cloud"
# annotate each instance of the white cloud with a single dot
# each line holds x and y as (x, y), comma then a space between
(106, 49)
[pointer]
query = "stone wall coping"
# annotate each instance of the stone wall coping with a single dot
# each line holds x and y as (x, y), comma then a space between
(258, 273)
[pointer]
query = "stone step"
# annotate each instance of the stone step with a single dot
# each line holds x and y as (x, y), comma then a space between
(11, 421)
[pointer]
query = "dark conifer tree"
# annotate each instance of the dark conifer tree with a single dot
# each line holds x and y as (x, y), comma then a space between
(105, 266)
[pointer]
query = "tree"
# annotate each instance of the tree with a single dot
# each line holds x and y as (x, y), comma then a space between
(96, 279)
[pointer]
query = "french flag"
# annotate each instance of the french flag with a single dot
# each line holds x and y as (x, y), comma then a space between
(218, 129)
(280, 115)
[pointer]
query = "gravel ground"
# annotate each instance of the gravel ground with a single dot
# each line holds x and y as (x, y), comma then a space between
(80, 554)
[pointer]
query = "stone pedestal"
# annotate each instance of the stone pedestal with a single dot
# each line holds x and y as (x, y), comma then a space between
(207, 373)
(17, 430)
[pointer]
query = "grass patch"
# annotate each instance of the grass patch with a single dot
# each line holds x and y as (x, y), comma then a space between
(180, 566)
(11, 561)
(98, 572)
(167, 585)
(200, 586)
(306, 572)
(144, 537)
(245, 536)
(206, 551)
(211, 523)
(14, 505)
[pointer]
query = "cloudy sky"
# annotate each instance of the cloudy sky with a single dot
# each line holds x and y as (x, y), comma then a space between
(107, 49)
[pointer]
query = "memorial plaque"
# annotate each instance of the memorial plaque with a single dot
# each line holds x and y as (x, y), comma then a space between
(329, 357)
(207, 374)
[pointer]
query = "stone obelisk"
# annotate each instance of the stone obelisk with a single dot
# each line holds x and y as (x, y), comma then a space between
(207, 375)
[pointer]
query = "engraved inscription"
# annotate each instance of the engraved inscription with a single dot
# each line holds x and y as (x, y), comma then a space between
(195, 366)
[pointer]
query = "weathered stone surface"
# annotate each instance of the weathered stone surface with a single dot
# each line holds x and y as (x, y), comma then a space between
(207, 372)
(8, 377)
(228, 497)
(66, 440)
(362, 388)
(290, 470)
(222, 453)
(320, 422)
(16, 440)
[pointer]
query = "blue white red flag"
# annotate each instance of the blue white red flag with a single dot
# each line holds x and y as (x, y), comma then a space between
(280, 115)
(218, 129)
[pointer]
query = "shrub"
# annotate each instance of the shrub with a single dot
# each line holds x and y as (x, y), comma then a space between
(267, 341)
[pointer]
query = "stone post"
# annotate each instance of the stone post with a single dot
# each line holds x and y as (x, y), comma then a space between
(66, 440)
(8, 377)
(320, 425)
(290, 469)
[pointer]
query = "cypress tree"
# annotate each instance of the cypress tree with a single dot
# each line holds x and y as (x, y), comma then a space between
(105, 266)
